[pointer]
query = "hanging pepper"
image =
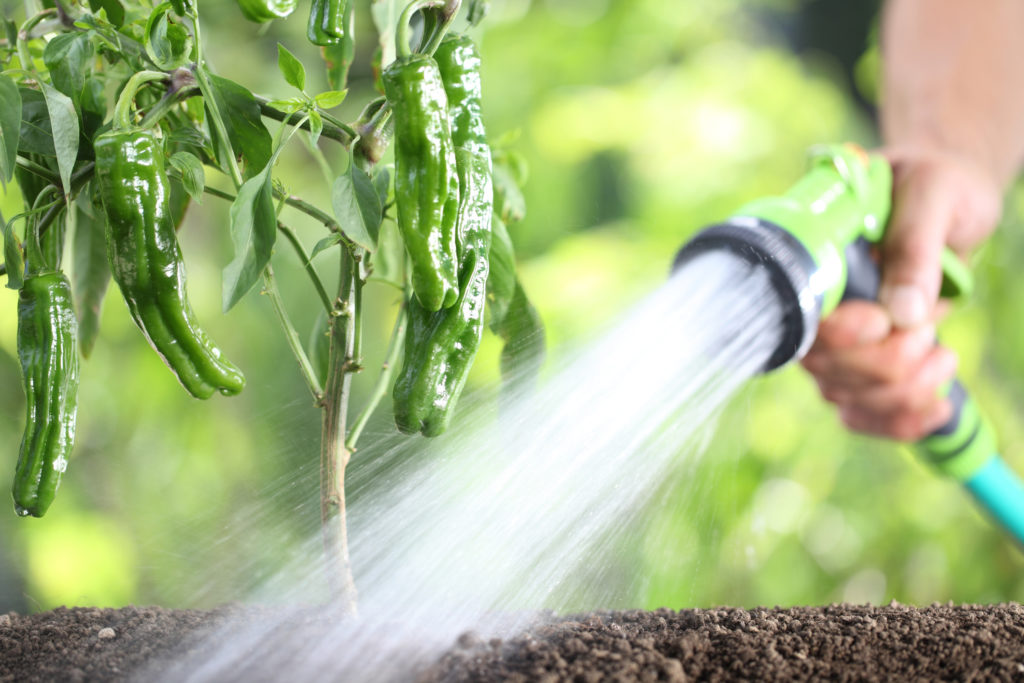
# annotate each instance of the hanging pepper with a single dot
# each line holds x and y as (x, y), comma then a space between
(440, 346)
(145, 261)
(326, 22)
(48, 352)
(426, 179)
(262, 11)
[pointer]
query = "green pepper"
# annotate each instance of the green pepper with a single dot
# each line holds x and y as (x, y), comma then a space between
(440, 346)
(426, 178)
(326, 22)
(262, 11)
(47, 350)
(145, 261)
(458, 60)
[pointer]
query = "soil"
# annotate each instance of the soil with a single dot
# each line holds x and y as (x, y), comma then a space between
(839, 642)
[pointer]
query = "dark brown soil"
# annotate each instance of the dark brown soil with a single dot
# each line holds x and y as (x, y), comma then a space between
(841, 642)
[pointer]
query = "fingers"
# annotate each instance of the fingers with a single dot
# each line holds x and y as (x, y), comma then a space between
(912, 248)
(884, 381)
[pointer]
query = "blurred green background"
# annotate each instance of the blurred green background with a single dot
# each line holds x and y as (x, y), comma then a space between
(642, 120)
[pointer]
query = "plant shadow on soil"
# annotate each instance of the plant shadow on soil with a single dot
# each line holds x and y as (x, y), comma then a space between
(838, 642)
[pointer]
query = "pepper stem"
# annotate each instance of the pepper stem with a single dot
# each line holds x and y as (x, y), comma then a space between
(123, 108)
(402, 36)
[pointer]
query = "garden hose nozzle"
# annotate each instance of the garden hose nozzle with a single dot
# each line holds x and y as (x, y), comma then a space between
(815, 242)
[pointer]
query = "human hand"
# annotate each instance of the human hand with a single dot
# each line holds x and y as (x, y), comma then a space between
(878, 362)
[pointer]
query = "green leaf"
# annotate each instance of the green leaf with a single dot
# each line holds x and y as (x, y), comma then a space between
(501, 281)
(291, 68)
(193, 178)
(509, 202)
(93, 106)
(114, 9)
(326, 243)
(388, 261)
(34, 136)
(91, 270)
(382, 183)
(523, 332)
(357, 207)
(10, 128)
(64, 124)
(168, 43)
(67, 57)
(477, 11)
(330, 99)
(316, 126)
(289, 105)
(253, 232)
(13, 257)
(248, 136)
(385, 18)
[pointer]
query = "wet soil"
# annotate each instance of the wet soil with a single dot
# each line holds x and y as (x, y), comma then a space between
(839, 642)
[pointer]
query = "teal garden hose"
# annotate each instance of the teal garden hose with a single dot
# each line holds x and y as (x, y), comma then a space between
(815, 242)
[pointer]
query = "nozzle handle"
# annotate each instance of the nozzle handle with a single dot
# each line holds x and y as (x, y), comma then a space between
(965, 447)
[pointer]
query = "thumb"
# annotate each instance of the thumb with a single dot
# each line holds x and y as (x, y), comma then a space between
(912, 253)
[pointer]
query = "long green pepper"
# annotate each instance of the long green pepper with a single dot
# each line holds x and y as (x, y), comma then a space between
(440, 346)
(326, 22)
(145, 261)
(48, 352)
(426, 177)
(262, 11)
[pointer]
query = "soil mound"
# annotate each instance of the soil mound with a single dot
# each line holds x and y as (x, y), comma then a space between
(839, 642)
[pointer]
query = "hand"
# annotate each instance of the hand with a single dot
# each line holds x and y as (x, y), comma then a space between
(878, 362)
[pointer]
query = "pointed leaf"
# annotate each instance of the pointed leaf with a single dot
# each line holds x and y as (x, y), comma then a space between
(66, 57)
(13, 257)
(253, 231)
(248, 136)
(330, 99)
(325, 244)
(193, 178)
(91, 271)
(34, 137)
(509, 202)
(316, 126)
(10, 127)
(389, 260)
(523, 332)
(64, 124)
(501, 281)
(357, 207)
(291, 68)
(115, 12)
(289, 105)
(382, 183)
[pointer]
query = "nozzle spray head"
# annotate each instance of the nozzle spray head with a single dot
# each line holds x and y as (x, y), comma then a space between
(801, 237)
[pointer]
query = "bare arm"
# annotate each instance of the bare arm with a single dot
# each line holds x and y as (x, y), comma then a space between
(953, 124)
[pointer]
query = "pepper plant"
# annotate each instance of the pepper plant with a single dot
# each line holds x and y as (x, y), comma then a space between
(110, 120)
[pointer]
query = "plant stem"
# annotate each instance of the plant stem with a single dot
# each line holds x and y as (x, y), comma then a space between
(270, 289)
(39, 170)
(334, 455)
(333, 129)
(123, 108)
(318, 285)
(383, 380)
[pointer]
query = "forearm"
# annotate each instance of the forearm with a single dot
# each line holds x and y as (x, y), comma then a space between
(953, 80)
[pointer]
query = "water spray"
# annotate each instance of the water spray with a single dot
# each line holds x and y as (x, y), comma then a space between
(815, 242)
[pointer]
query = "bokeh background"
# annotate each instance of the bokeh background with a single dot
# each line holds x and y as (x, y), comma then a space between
(641, 120)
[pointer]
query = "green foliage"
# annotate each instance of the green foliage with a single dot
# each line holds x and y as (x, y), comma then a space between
(640, 125)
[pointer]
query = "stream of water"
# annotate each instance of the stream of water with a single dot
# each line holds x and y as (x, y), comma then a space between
(506, 516)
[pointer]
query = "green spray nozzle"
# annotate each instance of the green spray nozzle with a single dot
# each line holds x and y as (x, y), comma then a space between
(816, 242)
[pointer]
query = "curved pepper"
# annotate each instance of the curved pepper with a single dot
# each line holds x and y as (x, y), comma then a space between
(426, 179)
(145, 261)
(440, 346)
(326, 22)
(48, 351)
(262, 11)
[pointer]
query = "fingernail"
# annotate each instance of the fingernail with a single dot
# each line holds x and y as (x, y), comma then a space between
(875, 329)
(907, 305)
